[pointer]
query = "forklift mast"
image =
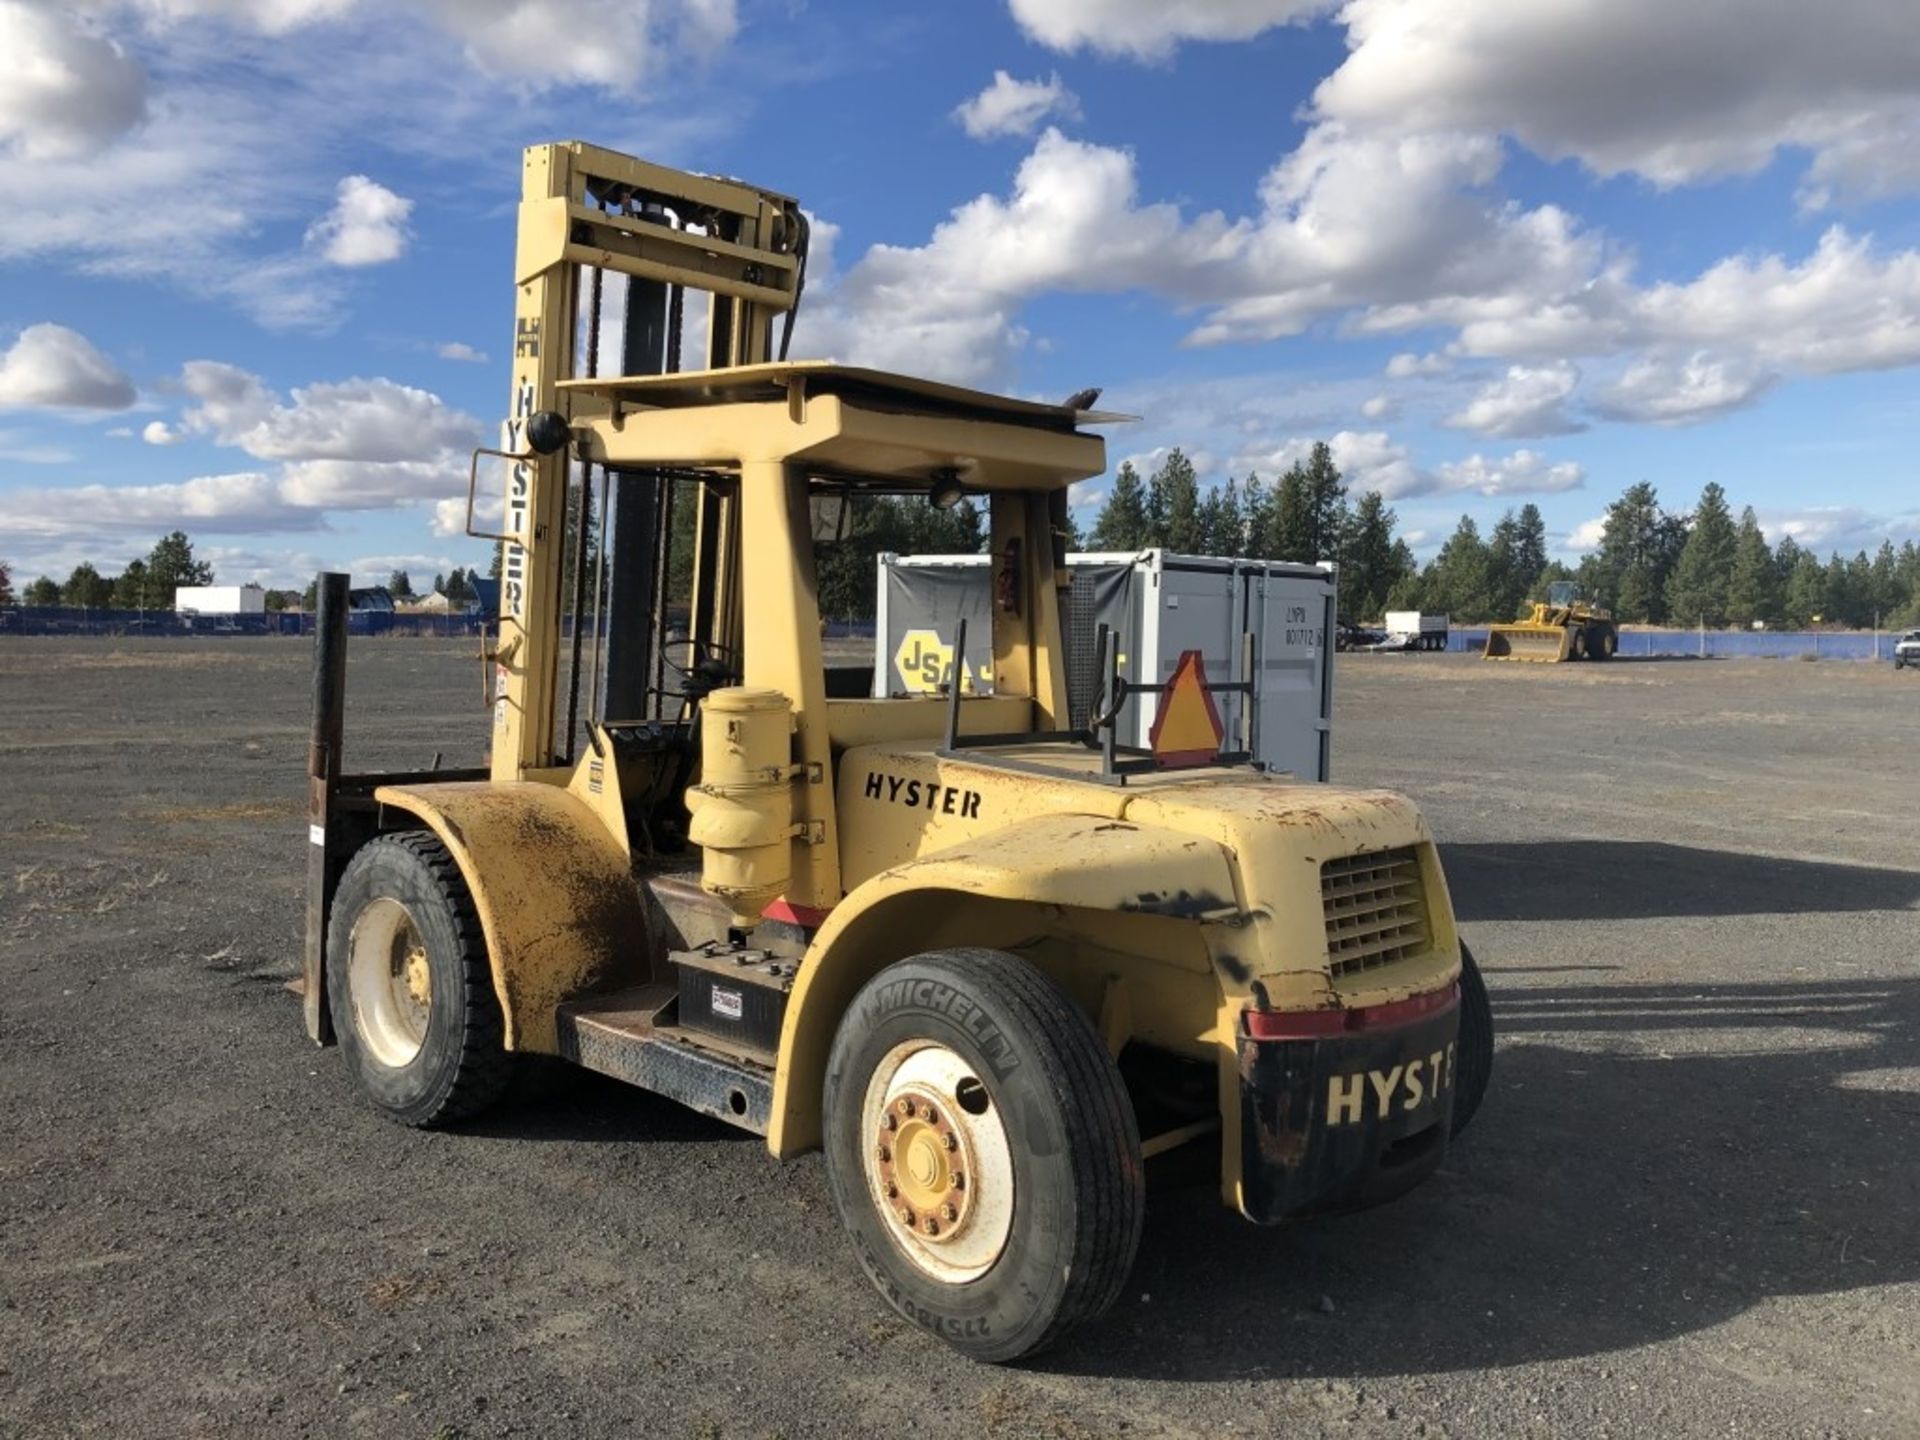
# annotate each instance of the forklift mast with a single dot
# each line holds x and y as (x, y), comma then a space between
(585, 212)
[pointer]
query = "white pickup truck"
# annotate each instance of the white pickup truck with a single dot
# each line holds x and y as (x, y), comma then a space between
(1413, 630)
(1907, 651)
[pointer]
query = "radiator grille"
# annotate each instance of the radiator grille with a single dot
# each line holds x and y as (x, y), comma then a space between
(1376, 910)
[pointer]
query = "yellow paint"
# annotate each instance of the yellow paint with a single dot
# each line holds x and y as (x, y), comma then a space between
(556, 900)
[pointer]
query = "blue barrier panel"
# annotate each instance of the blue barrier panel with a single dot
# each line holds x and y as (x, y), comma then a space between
(62, 620)
(1731, 644)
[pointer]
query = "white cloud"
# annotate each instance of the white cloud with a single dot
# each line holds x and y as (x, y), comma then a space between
(1378, 407)
(1664, 390)
(52, 367)
(367, 225)
(1366, 459)
(1407, 365)
(1015, 107)
(1524, 472)
(1674, 93)
(614, 44)
(1527, 401)
(230, 503)
(272, 17)
(158, 432)
(23, 449)
(65, 90)
(363, 444)
(1151, 29)
(1583, 538)
(460, 350)
(357, 421)
(1826, 529)
(450, 516)
(1345, 223)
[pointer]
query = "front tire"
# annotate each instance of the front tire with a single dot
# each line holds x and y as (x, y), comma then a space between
(409, 984)
(982, 1152)
(1474, 1067)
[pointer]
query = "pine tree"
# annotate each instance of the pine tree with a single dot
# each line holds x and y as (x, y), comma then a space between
(1885, 588)
(1370, 561)
(1697, 590)
(1228, 535)
(170, 566)
(1122, 522)
(1458, 580)
(133, 590)
(87, 588)
(1290, 535)
(6, 583)
(1806, 592)
(1753, 589)
(1326, 503)
(1638, 548)
(1173, 505)
(44, 590)
(1506, 586)
(1256, 511)
(400, 585)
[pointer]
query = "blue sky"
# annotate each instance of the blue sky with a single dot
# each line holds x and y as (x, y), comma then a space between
(254, 254)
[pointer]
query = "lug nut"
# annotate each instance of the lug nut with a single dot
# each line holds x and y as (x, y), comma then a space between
(952, 1141)
(959, 1181)
(893, 1191)
(906, 1105)
(932, 1226)
(949, 1213)
(906, 1216)
(933, 1116)
(885, 1153)
(889, 1121)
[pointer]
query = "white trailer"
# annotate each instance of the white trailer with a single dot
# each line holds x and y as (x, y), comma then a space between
(220, 600)
(1413, 630)
(1158, 604)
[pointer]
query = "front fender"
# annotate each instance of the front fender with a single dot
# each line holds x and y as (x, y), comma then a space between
(1081, 862)
(552, 887)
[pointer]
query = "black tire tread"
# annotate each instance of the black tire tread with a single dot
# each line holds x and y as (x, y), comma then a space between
(1475, 1064)
(1103, 1134)
(485, 1066)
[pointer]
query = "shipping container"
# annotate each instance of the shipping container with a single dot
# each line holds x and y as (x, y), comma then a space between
(1158, 604)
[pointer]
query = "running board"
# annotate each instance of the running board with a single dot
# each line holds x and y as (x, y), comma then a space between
(620, 1035)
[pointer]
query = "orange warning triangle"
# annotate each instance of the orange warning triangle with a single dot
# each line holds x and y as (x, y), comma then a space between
(1187, 729)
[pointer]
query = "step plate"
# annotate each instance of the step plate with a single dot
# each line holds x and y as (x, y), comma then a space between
(615, 1035)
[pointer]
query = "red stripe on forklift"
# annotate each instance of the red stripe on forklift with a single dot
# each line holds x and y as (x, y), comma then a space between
(802, 915)
(1315, 1024)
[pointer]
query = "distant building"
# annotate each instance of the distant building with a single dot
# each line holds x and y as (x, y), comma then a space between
(220, 600)
(375, 598)
(434, 604)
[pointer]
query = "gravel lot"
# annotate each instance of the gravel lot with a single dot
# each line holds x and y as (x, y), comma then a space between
(1688, 1207)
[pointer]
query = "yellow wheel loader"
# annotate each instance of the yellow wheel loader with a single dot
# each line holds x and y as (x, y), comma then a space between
(988, 962)
(1562, 627)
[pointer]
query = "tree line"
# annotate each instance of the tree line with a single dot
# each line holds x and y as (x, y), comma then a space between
(1651, 566)
(143, 584)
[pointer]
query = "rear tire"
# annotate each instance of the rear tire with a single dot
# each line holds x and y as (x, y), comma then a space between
(410, 987)
(1473, 1067)
(1577, 645)
(972, 1063)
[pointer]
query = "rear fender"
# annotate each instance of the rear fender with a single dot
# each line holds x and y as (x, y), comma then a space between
(554, 893)
(988, 890)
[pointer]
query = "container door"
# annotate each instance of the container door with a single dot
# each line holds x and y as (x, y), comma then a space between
(919, 609)
(1199, 608)
(1293, 616)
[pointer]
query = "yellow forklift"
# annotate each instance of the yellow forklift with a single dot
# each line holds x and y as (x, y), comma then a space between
(988, 961)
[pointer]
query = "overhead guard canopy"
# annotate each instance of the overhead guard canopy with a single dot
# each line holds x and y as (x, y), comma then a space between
(838, 420)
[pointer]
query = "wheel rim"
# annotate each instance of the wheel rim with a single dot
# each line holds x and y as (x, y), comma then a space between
(391, 982)
(938, 1165)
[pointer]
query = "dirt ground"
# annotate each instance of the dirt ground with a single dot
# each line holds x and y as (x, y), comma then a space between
(1688, 1207)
